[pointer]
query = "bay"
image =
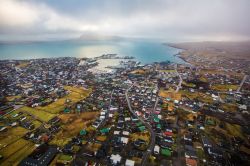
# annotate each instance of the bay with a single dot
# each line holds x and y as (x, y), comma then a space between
(144, 51)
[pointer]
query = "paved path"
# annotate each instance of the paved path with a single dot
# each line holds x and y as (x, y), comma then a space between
(242, 82)
(180, 82)
(152, 134)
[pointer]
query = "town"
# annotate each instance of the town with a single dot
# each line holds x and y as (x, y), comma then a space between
(58, 111)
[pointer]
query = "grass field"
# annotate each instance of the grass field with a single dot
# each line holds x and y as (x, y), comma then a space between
(71, 126)
(138, 71)
(16, 152)
(229, 107)
(191, 85)
(234, 130)
(168, 71)
(219, 87)
(170, 94)
(23, 64)
(48, 112)
(11, 135)
(43, 115)
(12, 98)
(75, 95)
(201, 96)
(143, 136)
(101, 138)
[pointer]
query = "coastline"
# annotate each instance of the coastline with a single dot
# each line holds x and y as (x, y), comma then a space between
(179, 54)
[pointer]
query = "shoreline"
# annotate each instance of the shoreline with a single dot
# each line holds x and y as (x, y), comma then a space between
(179, 54)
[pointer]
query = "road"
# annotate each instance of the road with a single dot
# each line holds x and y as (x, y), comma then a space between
(242, 82)
(148, 126)
(180, 82)
(111, 96)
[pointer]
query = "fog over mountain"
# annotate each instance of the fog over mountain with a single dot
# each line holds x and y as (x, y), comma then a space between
(171, 20)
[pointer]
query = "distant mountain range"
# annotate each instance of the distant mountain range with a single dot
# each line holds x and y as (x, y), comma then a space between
(99, 37)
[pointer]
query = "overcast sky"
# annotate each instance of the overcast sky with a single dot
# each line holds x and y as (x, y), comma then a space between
(171, 20)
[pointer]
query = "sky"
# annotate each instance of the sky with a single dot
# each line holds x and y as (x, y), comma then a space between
(171, 20)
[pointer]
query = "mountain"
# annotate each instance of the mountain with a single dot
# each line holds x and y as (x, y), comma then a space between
(99, 37)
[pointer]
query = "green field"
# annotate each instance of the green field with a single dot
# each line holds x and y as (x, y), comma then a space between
(75, 95)
(12, 135)
(42, 115)
(16, 152)
(219, 87)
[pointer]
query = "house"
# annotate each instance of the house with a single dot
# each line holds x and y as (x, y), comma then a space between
(187, 137)
(167, 133)
(127, 119)
(142, 128)
(156, 149)
(68, 148)
(190, 154)
(165, 152)
(129, 162)
(41, 156)
(83, 132)
(215, 152)
(169, 129)
(191, 162)
(104, 130)
(124, 140)
(115, 159)
(206, 142)
(3, 128)
(102, 117)
(116, 132)
(54, 120)
(13, 124)
(126, 133)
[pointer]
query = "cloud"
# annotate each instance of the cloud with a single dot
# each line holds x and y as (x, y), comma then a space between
(169, 19)
(26, 17)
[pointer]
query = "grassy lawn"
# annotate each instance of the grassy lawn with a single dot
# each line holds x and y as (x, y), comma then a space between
(200, 153)
(16, 152)
(94, 146)
(219, 87)
(12, 98)
(71, 126)
(168, 71)
(11, 135)
(229, 107)
(101, 138)
(75, 95)
(234, 130)
(201, 96)
(138, 71)
(143, 136)
(23, 64)
(43, 115)
(191, 85)
(189, 94)
(203, 79)
(170, 94)
(207, 99)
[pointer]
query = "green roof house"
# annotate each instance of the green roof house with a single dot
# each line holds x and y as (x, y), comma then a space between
(142, 128)
(83, 132)
(104, 130)
(158, 126)
(66, 110)
(138, 124)
(165, 152)
(157, 120)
